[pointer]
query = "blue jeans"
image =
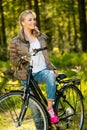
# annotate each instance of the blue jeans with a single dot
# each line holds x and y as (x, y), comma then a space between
(48, 77)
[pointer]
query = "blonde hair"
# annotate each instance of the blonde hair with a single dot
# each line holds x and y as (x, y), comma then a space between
(24, 14)
(22, 17)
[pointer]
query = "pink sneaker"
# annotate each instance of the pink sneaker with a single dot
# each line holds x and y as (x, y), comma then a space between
(53, 117)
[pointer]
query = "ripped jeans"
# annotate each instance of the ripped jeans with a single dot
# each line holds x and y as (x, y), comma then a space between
(48, 77)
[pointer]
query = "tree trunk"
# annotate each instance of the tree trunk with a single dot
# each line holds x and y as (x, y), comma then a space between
(3, 48)
(75, 30)
(2, 25)
(37, 12)
(83, 24)
(30, 4)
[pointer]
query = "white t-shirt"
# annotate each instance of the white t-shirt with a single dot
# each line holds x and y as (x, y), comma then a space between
(38, 60)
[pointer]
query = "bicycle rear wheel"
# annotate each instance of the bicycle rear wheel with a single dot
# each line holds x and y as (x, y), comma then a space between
(71, 109)
(10, 108)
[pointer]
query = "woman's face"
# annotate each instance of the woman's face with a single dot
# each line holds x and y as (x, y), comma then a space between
(29, 22)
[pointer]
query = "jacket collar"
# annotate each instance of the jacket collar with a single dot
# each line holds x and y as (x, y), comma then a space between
(24, 39)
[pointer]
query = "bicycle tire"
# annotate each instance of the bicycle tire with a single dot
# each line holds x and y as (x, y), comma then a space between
(10, 108)
(74, 107)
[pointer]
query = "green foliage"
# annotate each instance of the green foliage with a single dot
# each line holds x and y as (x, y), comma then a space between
(73, 65)
(7, 81)
(70, 60)
(4, 65)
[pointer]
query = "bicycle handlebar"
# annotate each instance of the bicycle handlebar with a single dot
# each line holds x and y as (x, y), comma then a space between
(33, 53)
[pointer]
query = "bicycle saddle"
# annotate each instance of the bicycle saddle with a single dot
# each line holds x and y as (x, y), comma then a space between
(61, 76)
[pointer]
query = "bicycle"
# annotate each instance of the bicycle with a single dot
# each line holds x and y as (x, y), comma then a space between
(26, 109)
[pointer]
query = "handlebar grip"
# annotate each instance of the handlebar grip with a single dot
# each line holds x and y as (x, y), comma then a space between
(39, 49)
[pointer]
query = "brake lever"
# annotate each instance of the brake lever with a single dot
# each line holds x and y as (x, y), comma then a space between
(35, 51)
(39, 49)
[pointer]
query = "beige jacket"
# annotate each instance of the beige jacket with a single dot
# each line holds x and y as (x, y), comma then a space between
(18, 47)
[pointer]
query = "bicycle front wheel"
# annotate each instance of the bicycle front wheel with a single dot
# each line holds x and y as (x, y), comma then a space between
(71, 109)
(11, 105)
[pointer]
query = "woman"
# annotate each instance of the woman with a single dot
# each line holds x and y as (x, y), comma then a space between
(43, 70)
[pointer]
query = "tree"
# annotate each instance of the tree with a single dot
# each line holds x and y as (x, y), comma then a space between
(36, 7)
(83, 23)
(30, 4)
(3, 34)
(3, 24)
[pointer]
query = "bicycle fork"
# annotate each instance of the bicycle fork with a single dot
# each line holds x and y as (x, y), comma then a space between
(23, 109)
